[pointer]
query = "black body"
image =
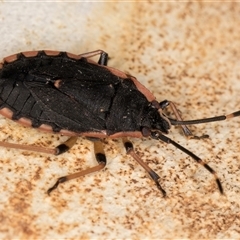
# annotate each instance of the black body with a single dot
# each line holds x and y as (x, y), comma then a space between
(74, 95)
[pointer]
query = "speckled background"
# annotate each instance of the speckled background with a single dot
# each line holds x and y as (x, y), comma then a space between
(185, 52)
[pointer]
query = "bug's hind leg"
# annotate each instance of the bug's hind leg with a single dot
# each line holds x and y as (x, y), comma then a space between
(56, 151)
(103, 59)
(64, 147)
(101, 159)
(153, 175)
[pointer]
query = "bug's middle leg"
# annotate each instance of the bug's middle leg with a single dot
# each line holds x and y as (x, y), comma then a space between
(101, 159)
(103, 59)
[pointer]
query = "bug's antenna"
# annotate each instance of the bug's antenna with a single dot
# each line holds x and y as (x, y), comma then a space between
(159, 136)
(205, 120)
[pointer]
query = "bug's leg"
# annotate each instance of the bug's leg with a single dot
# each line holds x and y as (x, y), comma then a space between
(187, 132)
(101, 159)
(103, 59)
(28, 147)
(154, 176)
(64, 147)
(159, 136)
(56, 151)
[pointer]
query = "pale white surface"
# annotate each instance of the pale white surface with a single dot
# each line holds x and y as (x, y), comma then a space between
(188, 53)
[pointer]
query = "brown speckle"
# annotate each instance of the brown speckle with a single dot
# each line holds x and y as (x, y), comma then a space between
(184, 52)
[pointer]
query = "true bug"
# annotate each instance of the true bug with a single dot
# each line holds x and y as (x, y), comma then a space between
(73, 95)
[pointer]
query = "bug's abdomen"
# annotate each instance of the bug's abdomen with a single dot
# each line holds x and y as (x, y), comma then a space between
(59, 91)
(15, 96)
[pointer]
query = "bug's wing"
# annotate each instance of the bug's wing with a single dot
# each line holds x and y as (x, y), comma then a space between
(63, 111)
(74, 96)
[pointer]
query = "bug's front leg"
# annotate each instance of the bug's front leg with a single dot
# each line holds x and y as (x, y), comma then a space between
(103, 59)
(153, 175)
(186, 131)
(101, 159)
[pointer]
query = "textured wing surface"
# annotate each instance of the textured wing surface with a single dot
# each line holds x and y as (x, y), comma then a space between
(59, 91)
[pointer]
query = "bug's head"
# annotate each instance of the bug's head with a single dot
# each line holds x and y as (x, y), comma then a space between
(156, 120)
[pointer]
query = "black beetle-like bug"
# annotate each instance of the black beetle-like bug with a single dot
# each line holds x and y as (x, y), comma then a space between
(75, 96)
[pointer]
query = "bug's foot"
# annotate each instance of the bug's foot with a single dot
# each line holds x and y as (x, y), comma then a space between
(156, 178)
(60, 180)
(160, 188)
(198, 137)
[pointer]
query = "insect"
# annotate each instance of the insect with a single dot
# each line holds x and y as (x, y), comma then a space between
(75, 96)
